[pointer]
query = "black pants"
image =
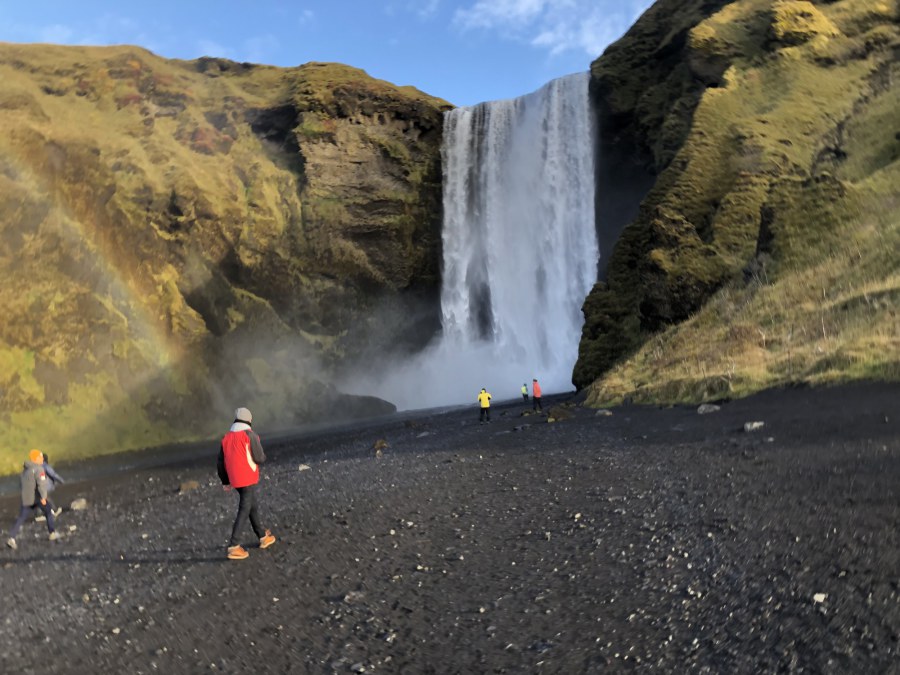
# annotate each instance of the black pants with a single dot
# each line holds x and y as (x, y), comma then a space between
(246, 507)
(485, 412)
(38, 508)
(26, 511)
(525, 398)
(537, 403)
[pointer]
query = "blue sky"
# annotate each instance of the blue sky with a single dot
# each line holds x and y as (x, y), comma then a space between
(465, 51)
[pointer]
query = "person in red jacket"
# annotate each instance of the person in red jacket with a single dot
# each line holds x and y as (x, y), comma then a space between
(536, 396)
(240, 455)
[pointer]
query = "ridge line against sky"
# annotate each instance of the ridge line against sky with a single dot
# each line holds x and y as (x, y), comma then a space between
(465, 51)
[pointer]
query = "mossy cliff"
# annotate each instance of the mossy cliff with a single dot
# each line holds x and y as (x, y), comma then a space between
(183, 237)
(761, 244)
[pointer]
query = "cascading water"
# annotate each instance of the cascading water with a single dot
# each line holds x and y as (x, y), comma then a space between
(519, 245)
(520, 248)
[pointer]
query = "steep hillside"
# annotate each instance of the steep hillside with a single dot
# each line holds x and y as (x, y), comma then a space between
(763, 140)
(183, 237)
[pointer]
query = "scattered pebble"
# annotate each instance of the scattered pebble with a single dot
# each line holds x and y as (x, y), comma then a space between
(188, 486)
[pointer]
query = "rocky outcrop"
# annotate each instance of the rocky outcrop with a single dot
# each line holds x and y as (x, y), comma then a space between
(760, 154)
(183, 237)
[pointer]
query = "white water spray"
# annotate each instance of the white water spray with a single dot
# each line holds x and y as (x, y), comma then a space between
(520, 249)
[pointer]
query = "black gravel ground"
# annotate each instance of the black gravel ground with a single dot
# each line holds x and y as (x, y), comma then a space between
(648, 540)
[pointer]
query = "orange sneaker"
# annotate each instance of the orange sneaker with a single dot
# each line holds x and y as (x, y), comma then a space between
(237, 553)
(267, 539)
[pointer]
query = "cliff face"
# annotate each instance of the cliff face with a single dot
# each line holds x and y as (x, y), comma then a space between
(183, 237)
(759, 144)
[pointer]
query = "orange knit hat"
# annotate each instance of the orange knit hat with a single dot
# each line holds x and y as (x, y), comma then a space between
(36, 456)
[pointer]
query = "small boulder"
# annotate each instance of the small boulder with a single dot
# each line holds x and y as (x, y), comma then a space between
(603, 412)
(707, 408)
(187, 486)
(303, 467)
(561, 413)
(79, 504)
(380, 446)
(354, 597)
(753, 426)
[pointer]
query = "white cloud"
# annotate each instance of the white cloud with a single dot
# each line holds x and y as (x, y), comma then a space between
(212, 48)
(258, 49)
(105, 29)
(55, 34)
(499, 13)
(555, 25)
(427, 8)
(424, 9)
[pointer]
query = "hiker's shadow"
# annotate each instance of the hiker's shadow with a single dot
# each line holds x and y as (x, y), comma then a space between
(146, 557)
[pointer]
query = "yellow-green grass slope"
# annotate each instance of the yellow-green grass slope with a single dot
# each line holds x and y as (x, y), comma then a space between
(178, 238)
(768, 250)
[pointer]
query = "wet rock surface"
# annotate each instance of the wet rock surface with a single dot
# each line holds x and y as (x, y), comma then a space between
(653, 539)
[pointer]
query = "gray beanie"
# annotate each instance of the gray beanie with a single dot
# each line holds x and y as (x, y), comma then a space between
(243, 415)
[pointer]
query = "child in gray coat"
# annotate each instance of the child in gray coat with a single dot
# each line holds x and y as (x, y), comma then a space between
(34, 493)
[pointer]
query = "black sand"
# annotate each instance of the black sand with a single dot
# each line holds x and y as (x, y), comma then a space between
(650, 540)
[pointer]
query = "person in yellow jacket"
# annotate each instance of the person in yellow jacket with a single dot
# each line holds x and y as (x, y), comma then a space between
(525, 393)
(484, 399)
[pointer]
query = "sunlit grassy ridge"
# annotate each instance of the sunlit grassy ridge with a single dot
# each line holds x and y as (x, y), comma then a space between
(179, 236)
(767, 251)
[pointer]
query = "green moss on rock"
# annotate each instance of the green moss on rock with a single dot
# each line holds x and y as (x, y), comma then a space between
(769, 130)
(175, 230)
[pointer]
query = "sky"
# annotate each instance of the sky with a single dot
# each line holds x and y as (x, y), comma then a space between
(465, 51)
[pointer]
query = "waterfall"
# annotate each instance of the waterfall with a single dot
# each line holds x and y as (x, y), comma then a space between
(519, 249)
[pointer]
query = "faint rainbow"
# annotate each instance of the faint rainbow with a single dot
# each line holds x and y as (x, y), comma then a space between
(164, 349)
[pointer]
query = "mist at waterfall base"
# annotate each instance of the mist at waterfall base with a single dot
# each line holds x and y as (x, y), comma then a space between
(519, 251)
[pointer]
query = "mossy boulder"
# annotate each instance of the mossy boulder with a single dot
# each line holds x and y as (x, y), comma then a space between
(795, 22)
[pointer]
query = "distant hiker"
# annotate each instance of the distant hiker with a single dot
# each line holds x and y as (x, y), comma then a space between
(34, 491)
(536, 396)
(240, 454)
(54, 478)
(525, 393)
(484, 399)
